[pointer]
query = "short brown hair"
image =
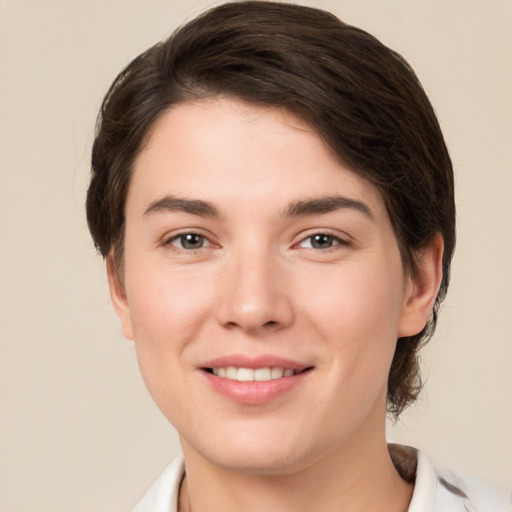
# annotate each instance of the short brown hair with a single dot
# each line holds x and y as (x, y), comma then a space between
(362, 98)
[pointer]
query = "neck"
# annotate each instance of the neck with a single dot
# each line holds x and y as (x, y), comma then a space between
(352, 478)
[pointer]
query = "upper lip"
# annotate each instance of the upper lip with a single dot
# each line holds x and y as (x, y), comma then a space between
(254, 362)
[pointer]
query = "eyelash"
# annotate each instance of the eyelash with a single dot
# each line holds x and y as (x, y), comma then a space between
(182, 236)
(336, 241)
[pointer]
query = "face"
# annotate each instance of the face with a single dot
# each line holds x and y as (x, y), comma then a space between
(263, 287)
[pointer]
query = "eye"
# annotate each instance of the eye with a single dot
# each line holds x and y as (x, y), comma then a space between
(189, 241)
(321, 241)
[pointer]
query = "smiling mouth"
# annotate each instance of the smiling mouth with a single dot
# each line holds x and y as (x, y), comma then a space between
(256, 374)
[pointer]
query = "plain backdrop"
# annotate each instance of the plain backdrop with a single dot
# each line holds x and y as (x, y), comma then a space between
(78, 431)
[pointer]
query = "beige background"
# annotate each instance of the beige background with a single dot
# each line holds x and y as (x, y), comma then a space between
(78, 431)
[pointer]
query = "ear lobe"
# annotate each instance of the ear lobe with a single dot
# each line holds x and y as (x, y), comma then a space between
(119, 298)
(423, 286)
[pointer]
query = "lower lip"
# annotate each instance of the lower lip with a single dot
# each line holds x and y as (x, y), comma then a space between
(254, 392)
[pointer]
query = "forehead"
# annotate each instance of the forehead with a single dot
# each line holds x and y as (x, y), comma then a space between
(239, 154)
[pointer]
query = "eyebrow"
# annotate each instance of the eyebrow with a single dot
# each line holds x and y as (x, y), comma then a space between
(327, 204)
(177, 204)
(313, 206)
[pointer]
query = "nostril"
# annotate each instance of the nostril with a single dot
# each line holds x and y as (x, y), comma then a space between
(252, 314)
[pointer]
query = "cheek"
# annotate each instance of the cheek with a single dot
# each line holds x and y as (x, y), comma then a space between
(356, 313)
(167, 310)
(355, 300)
(165, 304)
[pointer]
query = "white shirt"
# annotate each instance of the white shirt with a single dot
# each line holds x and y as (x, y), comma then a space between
(434, 491)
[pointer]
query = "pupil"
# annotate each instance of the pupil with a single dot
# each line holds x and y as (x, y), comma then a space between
(192, 241)
(321, 241)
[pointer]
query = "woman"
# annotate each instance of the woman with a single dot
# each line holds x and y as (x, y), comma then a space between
(274, 198)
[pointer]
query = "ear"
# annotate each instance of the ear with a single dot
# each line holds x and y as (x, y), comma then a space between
(119, 298)
(422, 288)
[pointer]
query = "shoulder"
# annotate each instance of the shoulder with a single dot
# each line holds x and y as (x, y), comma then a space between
(445, 490)
(162, 496)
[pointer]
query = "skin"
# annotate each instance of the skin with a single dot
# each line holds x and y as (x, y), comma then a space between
(256, 283)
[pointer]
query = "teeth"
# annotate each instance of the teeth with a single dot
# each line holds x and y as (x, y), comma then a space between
(262, 374)
(245, 375)
(249, 375)
(231, 373)
(277, 373)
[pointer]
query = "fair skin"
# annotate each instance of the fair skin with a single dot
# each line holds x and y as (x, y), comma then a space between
(247, 245)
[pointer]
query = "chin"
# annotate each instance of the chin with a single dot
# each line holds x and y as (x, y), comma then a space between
(256, 462)
(255, 453)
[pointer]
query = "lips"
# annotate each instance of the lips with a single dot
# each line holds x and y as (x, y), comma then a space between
(254, 380)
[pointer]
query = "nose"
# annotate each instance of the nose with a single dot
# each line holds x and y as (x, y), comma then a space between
(254, 294)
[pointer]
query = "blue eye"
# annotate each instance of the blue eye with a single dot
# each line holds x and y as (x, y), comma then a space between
(189, 241)
(321, 241)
